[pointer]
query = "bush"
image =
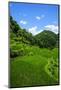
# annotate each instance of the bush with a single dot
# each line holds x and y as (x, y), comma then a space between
(30, 54)
(14, 53)
(18, 49)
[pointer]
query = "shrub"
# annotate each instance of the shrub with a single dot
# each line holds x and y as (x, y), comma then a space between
(13, 53)
(30, 54)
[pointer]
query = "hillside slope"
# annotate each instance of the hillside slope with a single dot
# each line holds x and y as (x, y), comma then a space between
(33, 59)
(47, 39)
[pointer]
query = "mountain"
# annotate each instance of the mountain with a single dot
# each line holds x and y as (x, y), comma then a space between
(46, 39)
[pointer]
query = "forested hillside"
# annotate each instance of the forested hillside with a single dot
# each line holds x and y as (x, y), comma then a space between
(19, 38)
(20, 34)
(47, 39)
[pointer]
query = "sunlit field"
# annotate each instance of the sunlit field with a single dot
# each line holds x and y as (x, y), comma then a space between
(38, 67)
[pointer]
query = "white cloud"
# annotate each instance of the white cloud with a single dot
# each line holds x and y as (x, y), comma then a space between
(40, 17)
(23, 22)
(53, 28)
(34, 30)
(37, 17)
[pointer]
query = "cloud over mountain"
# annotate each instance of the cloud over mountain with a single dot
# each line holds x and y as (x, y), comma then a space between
(34, 30)
(53, 28)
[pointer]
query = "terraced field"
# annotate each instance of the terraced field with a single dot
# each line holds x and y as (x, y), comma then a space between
(38, 67)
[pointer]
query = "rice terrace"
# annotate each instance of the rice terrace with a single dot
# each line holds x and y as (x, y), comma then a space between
(34, 44)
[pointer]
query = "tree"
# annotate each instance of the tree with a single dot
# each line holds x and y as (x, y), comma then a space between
(13, 25)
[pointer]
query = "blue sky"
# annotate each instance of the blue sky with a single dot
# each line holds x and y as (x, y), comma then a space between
(35, 17)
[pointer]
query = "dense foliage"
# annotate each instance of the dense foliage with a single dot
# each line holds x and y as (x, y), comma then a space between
(47, 39)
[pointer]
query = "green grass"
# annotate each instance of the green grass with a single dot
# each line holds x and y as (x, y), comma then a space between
(37, 67)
